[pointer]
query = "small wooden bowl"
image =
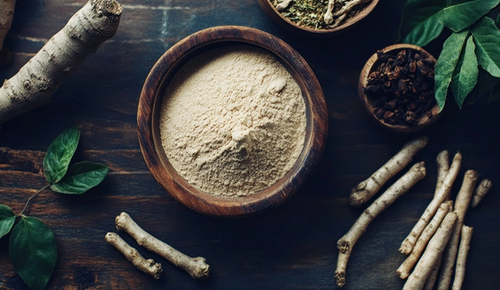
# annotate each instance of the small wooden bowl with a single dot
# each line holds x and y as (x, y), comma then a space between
(270, 10)
(372, 64)
(149, 110)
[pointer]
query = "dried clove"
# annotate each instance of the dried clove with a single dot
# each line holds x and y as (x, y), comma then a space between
(402, 87)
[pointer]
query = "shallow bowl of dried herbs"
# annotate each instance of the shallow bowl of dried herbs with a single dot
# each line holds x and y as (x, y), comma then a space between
(396, 86)
(317, 17)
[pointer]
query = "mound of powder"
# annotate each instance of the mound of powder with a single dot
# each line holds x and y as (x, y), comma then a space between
(232, 121)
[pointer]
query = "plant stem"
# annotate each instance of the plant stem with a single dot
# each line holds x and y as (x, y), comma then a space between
(29, 199)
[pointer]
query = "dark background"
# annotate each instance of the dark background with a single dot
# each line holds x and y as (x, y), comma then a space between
(292, 246)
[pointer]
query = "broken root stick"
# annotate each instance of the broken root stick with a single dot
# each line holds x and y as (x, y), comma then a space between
(481, 190)
(439, 197)
(147, 266)
(443, 166)
(432, 253)
(196, 267)
(283, 5)
(342, 13)
(6, 16)
(462, 257)
(368, 188)
(36, 81)
(461, 205)
(405, 268)
(346, 243)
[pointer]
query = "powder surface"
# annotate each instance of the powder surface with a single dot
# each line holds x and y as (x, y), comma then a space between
(232, 121)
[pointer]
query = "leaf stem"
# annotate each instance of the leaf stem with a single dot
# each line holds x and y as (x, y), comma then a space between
(29, 199)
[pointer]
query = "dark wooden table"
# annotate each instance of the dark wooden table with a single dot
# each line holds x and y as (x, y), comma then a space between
(290, 247)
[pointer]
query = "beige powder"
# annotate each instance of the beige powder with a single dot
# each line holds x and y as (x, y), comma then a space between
(233, 121)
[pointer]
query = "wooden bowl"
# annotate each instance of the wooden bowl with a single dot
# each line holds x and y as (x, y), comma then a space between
(270, 10)
(149, 110)
(372, 63)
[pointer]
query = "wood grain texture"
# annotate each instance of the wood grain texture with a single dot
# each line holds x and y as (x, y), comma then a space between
(293, 246)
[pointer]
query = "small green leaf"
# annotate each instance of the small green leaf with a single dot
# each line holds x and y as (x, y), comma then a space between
(420, 21)
(33, 252)
(459, 16)
(7, 219)
(497, 21)
(446, 63)
(487, 39)
(466, 72)
(59, 155)
(81, 177)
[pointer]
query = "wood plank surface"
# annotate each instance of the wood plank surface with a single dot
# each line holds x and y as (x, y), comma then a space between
(290, 247)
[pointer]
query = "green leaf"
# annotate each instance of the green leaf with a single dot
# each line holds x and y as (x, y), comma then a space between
(420, 21)
(497, 21)
(446, 63)
(487, 39)
(459, 16)
(466, 73)
(7, 219)
(59, 155)
(81, 177)
(33, 252)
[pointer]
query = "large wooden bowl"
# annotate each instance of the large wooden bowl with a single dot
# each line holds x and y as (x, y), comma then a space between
(149, 111)
(270, 10)
(372, 63)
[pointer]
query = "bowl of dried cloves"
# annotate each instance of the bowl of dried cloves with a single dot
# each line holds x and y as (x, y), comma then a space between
(396, 86)
(317, 18)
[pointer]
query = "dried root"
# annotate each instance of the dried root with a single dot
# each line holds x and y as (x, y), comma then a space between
(6, 16)
(440, 196)
(432, 253)
(346, 243)
(443, 167)
(405, 268)
(461, 205)
(196, 267)
(342, 13)
(368, 188)
(36, 81)
(481, 190)
(148, 266)
(283, 5)
(462, 257)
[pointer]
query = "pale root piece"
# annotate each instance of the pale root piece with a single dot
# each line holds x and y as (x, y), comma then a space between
(342, 13)
(6, 16)
(462, 202)
(196, 267)
(283, 5)
(481, 190)
(439, 197)
(431, 280)
(148, 266)
(346, 243)
(432, 253)
(405, 269)
(369, 187)
(443, 166)
(36, 81)
(463, 251)
(328, 17)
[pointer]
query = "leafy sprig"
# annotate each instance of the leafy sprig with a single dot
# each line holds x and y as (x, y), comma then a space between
(469, 62)
(32, 245)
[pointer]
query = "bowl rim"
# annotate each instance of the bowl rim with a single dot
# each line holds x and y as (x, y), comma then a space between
(286, 23)
(206, 203)
(363, 77)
